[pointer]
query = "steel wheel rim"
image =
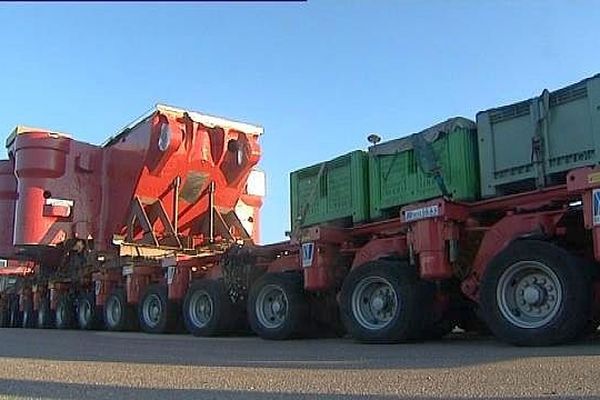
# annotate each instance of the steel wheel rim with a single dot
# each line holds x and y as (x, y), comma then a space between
(529, 294)
(13, 318)
(41, 317)
(60, 315)
(272, 307)
(85, 312)
(201, 308)
(375, 302)
(114, 311)
(152, 310)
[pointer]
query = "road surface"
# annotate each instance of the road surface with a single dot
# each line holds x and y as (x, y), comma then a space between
(52, 364)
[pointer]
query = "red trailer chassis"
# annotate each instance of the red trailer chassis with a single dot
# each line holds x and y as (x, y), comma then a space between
(450, 241)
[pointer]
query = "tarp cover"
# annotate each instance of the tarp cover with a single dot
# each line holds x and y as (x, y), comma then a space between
(430, 135)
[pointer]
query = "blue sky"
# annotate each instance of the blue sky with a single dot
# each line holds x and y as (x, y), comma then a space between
(319, 76)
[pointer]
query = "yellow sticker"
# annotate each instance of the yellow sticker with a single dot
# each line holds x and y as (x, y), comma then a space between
(594, 178)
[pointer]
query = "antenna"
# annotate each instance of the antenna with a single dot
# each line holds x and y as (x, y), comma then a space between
(374, 138)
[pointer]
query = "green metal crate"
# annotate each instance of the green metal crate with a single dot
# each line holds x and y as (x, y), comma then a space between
(535, 142)
(333, 191)
(397, 174)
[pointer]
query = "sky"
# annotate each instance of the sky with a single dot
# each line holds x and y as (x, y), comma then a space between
(318, 75)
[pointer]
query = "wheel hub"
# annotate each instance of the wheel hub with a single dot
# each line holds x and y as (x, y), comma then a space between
(85, 312)
(272, 306)
(533, 295)
(529, 294)
(152, 310)
(276, 306)
(374, 302)
(114, 312)
(201, 308)
(378, 303)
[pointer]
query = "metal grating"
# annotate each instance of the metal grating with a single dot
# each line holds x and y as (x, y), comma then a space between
(568, 94)
(509, 112)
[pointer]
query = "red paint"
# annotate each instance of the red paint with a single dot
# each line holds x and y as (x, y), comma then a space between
(289, 262)
(137, 282)
(104, 284)
(429, 238)
(320, 275)
(379, 248)
(584, 181)
(179, 283)
(45, 166)
(8, 201)
(102, 182)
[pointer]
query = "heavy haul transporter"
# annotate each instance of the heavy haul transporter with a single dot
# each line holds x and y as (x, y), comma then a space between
(129, 223)
(496, 219)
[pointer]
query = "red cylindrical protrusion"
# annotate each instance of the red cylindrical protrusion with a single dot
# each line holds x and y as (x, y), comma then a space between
(8, 199)
(40, 155)
(429, 242)
(39, 159)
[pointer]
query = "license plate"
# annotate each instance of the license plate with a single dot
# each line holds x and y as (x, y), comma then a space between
(421, 213)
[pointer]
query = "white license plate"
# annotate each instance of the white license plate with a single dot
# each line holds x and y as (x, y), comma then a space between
(421, 213)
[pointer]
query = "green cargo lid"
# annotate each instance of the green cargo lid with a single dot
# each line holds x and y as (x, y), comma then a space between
(335, 191)
(402, 171)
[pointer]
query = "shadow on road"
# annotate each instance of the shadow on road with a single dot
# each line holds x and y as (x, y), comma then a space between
(52, 390)
(253, 352)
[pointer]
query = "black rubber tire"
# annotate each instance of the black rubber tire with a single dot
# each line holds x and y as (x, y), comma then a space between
(471, 322)
(45, 316)
(573, 313)
(439, 329)
(593, 324)
(64, 315)
(296, 323)
(16, 316)
(449, 309)
(409, 320)
(85, 320)
(169, 315)
(29, 316)
(4, 317)
(126, 319)
(224, 317)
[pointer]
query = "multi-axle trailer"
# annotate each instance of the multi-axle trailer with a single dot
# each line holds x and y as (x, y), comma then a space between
(158, 228)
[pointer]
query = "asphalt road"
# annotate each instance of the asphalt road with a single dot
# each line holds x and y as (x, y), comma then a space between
(54, 364)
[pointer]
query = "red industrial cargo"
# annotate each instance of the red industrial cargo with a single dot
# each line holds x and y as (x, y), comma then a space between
(174, 185)
(153, 183)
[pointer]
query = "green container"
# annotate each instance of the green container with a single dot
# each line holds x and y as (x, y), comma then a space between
(403, 171)
(534, 143)
(335, 191)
